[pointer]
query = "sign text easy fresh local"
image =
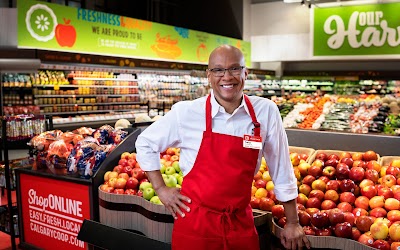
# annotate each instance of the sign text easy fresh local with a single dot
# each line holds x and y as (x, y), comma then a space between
(47, 26)
(357, 30)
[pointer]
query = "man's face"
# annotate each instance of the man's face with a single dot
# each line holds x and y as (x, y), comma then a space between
(228, 88)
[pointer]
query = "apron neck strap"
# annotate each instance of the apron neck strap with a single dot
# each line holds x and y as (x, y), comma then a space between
(249, 106)
(253, 116)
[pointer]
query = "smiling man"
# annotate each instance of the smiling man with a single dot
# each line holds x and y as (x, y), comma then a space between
(222, 138)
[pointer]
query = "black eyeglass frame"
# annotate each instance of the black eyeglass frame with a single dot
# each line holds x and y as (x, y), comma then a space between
(229, 70)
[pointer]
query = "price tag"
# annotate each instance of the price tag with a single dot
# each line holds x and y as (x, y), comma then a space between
(250, 141)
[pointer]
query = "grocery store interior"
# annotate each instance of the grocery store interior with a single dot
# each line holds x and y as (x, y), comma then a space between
(74, 70)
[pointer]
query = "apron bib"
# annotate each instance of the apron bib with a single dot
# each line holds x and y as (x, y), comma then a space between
(219, 186)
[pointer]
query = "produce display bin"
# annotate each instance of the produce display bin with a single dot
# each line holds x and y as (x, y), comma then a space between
(45, 225)
(386, 160)
(326, 242)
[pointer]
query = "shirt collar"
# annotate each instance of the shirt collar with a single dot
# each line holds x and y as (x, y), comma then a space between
(215, 106)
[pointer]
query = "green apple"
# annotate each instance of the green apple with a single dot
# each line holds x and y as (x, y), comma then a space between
(156, 200)
(181, 173)
(163, 175)
(178, 186)
(175, 164)
(145, 185)
(180, 179)
(176, 175)
(170, 181)
(162, 168)
(170, 170)
(148, 193)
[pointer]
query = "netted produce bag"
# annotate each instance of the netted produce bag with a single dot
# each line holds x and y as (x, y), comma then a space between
(57, 155)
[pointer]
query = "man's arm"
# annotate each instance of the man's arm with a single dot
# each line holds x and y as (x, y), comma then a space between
(169, 196)
(293, 236)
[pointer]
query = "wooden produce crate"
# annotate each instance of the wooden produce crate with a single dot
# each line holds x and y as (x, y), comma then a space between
(329, 152)
(302, 150)
(386, 160)
(131, 212)
(326, 242)
(262, 217)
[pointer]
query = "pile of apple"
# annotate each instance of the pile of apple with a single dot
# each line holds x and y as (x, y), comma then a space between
(348, 195)
(262, 190)
(128, 178)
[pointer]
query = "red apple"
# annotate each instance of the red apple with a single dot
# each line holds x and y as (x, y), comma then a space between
(323, 232)
(321, 156)
(331, 162)
(360, 163)
(123, 162)
(348, 161)
(123, 175)
(312, 210)
(308, 180)
(278, 211)
(130, 192)
(138, 173)
(320, 219)
(308, 230)
(118, 169)
(343, 230)
(332, 195)
(318, 194)
(119, 191)
(347, 197)
(260, 183)
(127, 169)
(362, 202)
(394, 231)
(364, 222)
(282, 222)
(302, 199)
(342, 171)
(300, 207)
(304, 156)
(344, 154)
(350, 218)
(386, 192)
(395, 245)
(318, 162)
(266, 204)
(132, 183)
(304, 218)
(334, 156)
(324, 179)
(369, 191)
(392, 204)
(366, 239)
(294, 158)
(389, 180)
(255, 202)
(374, 165)
(357, 156)
(120, 183)
(372, 174)
(355, 233)
(258, 176)
(329, 171)
(303, 168)
(328, 204)
(356, 174)
(381, 244)
(313, 202)
(370, 155)
(359, 211)
(393, 215)
(305, 189)
(366, 182)
(332, 185)
(336, 216)
(395, 171)
(378, 212)
(377, 201)
(345, 207)
(318, 185)
(347, 185)
(315, 171)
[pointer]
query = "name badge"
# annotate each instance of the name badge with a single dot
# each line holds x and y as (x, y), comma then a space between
(250, 141)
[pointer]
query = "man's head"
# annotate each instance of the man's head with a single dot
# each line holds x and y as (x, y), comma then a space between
(227, 74)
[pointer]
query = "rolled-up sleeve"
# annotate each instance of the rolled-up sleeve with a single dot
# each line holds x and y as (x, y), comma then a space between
(156, 139)
(276, 154)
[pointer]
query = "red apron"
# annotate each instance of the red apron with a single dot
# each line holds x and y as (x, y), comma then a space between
(219, 186)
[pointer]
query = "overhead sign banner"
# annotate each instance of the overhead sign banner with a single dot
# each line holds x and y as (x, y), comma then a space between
(43, 25)
(357, 31)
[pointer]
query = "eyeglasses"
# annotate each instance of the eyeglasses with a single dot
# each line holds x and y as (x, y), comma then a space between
(235, 71)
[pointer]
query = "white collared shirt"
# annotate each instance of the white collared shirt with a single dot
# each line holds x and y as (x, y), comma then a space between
(183, 127)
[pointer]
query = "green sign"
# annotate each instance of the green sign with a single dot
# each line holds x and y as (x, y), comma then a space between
(43, 25)
(365, 30)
